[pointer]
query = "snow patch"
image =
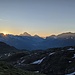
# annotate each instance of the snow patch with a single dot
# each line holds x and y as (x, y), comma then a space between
(70, 61)
(38, 61)
(22, 61)
(71, 49)
(51, 53)
(36, 71)
(5, 54)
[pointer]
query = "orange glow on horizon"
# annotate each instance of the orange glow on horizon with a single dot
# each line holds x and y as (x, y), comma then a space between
(32, 34)
(5, 33)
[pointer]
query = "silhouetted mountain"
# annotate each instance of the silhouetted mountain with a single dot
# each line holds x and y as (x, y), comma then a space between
(28, 42)
(4, 48)
(25, 34)
(36, 36)
(67, 35)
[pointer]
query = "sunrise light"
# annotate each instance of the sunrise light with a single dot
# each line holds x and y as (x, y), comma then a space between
(5, 32)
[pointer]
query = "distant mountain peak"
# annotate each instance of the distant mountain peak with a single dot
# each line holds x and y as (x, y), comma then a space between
(25, 34)
(36, 35)
(1, 34)
(67, 34)
(52, 36)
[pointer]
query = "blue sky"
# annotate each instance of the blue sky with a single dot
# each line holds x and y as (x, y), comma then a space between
(42, 17)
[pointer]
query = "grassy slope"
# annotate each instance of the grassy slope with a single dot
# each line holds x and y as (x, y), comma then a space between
(6, 69)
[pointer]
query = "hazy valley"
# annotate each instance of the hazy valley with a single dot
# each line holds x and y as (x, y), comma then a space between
(28, 42)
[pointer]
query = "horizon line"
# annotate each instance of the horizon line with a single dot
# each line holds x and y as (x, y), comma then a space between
(34, 34)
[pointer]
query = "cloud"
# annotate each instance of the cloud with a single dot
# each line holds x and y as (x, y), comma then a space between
(3, 20)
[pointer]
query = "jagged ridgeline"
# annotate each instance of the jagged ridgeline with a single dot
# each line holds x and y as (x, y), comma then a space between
(29, 42)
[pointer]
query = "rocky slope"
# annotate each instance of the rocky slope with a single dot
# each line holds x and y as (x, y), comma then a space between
(53, 61)
(10, 58)
(8, 69)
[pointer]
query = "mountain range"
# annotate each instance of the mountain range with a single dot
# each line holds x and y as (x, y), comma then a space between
(29, 42)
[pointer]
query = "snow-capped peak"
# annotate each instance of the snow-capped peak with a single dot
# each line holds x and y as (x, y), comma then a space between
(25, 34)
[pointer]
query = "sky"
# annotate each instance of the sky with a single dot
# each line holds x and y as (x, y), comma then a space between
(41, 17)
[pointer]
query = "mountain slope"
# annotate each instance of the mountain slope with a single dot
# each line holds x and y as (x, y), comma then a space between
(7, 69)
(25, 34)
(4, 48)
(53, 61)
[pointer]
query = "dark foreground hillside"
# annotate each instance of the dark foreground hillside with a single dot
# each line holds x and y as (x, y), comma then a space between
(6, 69)
(53, 61)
